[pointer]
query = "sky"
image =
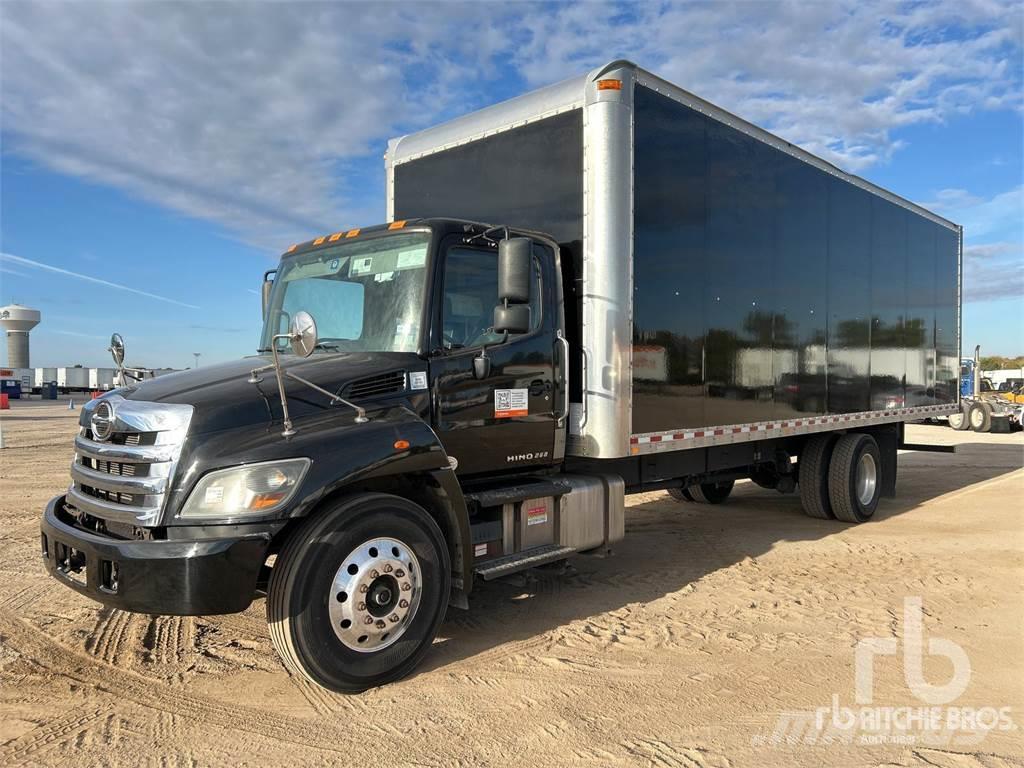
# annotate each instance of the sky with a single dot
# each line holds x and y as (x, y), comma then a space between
(156, 158)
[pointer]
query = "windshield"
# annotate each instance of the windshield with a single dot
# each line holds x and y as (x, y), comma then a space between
(364, 295)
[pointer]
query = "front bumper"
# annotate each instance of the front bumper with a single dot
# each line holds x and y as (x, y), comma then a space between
(164, 577)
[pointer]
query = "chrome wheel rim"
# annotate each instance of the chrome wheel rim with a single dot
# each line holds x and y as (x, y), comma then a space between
(867, 478)
(375, 595)
(956, 420)
(977, 417)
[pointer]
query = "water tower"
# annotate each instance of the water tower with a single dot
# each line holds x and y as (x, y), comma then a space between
(18, 321)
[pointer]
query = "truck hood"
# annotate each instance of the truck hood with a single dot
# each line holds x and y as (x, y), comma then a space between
(223, 397)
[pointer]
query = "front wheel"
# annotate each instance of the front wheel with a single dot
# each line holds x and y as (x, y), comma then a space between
(358, 593)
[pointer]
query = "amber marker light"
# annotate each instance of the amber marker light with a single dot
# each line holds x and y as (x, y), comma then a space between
(609, 85)
(401, 445)
(352, 233)
(396, 225)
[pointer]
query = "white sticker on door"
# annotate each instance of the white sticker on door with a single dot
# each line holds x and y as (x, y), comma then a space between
(510, 403)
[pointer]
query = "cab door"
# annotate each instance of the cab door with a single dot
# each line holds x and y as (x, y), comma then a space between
(506, 420)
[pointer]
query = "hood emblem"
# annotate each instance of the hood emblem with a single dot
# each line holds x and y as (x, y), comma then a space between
(102, 422)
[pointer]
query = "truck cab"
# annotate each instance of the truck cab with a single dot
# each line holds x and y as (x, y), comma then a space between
(430, 405)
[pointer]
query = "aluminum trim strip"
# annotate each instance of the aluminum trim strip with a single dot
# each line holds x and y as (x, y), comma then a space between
(118, 483)
(106, 510)
(679, 439)
(128, 454)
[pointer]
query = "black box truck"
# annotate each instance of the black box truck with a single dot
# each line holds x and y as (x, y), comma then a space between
(603, 287)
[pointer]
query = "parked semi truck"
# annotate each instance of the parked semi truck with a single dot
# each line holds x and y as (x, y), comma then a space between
(983, 407)
(604, 287)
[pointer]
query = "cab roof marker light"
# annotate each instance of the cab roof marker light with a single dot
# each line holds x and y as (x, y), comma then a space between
(335, 237)
(396, 224)
(292, 248)
(352, 233)
(609, 85)
(320, 240)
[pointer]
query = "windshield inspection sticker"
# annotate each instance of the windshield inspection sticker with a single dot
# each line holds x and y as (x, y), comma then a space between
(510, 403)
(410, 259)
(363, 266)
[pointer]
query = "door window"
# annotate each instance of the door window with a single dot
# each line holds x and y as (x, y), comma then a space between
(470, 293)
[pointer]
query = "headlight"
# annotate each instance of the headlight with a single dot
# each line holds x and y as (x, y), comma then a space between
(251, 489)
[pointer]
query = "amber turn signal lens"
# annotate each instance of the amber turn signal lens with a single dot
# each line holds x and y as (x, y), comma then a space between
(609, 85)
(401, 445)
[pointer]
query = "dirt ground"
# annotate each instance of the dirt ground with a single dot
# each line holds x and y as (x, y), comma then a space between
(684, 648)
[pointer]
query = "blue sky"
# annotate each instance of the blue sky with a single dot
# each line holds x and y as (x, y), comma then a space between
(157, 157)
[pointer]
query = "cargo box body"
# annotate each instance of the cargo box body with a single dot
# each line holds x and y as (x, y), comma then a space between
(721, 284)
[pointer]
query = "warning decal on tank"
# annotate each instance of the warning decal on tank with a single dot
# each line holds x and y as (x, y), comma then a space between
(537, 516)
(509, 403)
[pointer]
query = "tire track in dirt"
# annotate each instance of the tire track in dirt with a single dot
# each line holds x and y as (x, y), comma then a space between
(44, 651)
(71, 725)
(111, 638)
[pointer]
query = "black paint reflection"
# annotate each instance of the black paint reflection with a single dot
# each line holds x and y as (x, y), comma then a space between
(766, 288)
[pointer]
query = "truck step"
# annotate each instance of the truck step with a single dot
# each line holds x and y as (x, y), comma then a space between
(497, 496)
(531, 558)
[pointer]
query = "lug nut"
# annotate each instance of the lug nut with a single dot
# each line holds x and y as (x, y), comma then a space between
(394, 618)
(368, 620)
(406, 587)
(388, 569)
(403, 603)
(399, 573)
(374, 574)
(381, 624)
(363, 588)
(361, 606)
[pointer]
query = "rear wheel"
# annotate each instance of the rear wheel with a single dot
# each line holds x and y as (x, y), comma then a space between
(980, 416)
(855, 478)
(711, 493)
(680, 494)
(358, 592)
(958, 421)
(813, 476)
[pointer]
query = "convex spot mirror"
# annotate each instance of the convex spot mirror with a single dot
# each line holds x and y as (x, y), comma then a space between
(302, 334)
(515, 267)
(117, 349)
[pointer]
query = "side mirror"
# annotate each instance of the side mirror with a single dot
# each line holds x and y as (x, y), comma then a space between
(514, 261)
(266, 288)
(515, 267)
(302, 334)
(116, 349)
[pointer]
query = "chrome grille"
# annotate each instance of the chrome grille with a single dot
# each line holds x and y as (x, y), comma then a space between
(126, 477)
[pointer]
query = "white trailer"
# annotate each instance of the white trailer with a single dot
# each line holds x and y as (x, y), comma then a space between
(101, 378)
(74, 379)
(43, 376)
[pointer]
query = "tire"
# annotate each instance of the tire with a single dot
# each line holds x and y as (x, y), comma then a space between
(855, 478)
(379, 534)
(958, 421)
(980, 417)
(711, 493)
(680, 494)
(813, 476)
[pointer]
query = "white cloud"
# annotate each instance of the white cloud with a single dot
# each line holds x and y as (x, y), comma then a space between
(993, 240)
(22, 261)
(253, 115)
